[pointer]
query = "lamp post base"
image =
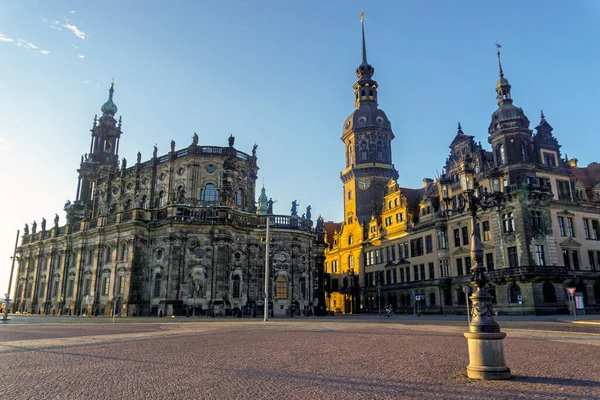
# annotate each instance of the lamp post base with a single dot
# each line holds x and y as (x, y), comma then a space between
(486, 356)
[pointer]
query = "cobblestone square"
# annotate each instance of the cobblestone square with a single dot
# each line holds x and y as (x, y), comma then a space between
(349, 358)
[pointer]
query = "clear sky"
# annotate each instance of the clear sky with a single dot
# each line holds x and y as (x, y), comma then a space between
(278, 73)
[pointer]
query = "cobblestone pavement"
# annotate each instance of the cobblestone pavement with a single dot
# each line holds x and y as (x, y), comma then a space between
(293, 358)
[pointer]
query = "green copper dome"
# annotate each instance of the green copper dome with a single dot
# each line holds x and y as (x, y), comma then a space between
(109, 108)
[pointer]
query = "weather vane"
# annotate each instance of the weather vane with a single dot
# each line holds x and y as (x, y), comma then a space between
(362, 16)
(498, 46)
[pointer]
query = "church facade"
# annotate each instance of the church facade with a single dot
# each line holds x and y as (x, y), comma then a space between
(178, 234)
(410, 247)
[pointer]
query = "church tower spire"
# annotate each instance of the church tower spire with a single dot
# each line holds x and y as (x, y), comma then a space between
(365, 90)
(502, 87)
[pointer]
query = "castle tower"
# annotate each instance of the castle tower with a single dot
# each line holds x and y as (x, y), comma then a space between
(367, 136)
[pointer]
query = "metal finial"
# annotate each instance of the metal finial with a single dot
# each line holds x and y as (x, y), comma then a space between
(498, 46)
(459, 128)
(364, 46)
(543, 117)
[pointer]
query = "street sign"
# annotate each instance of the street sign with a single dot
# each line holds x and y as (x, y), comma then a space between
(417, 297)
(571, 291)
(520, 298)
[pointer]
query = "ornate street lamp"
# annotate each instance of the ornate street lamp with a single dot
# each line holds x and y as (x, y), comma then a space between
(486, 349)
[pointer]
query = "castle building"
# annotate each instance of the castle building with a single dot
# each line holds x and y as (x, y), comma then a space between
(410, 248)
(178, 234)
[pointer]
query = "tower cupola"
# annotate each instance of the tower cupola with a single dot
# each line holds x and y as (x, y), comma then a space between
(109, 108)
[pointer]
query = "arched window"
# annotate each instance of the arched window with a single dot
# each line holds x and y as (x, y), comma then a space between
(161, 199)
(236, 287)
(549, 292)
(282, 290)
(350, 261)
(123, 252)
(209, 193)
(127, 205)
(239, 196)
(144, 202)
(501, 154)
(514, 291)
(523, 153)
(350, 239)
(362, 93)
(157, 282)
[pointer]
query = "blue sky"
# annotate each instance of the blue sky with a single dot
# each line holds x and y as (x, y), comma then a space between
(279, 74)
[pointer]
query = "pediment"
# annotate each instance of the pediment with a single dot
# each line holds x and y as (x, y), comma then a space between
(460, 250)
(570, 242)
(565, 212)
(487, 246)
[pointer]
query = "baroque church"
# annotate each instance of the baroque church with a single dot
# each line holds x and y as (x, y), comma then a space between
(178, 234)
(409, 248)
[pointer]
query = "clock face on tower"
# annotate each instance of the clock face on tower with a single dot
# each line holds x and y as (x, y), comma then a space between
(364, 183)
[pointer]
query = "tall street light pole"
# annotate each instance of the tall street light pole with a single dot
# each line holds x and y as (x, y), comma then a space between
(12, 269)
(486, 347)
(268, 240)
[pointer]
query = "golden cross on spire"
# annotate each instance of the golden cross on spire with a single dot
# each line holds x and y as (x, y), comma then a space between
(362, 16)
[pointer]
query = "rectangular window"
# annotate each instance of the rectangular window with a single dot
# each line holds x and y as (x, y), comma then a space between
(444, 268)
(70, 286)
(388, 277)
(431, 271)
(401, 275)
(459, 266)
(575, 259)
(549, 159)
(442, 239)
(400, 254)
(564, 191)
(489, 261)
(415, 272)
(349, 194)
(508, 222)
(388, 221)
(394, 275)
(592, 259)
(467, 265)
(566, 259)
(570, 227)
(399, 217)
(432, 299)
(121, 284)
(457, 238)
(407, 274)
(586, 228)
(561, 226)
(465, 235)
(334, 266)
(416, 247)
(486, 230)
(428, 244)
(539, 255)
(393, 252)
(405, 249)
(595, 229)
(422, 268)
(377, 256)
(105, 285)
(55, 288)
(513, 258)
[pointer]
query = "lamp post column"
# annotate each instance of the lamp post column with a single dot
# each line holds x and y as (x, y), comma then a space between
(486, 347)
